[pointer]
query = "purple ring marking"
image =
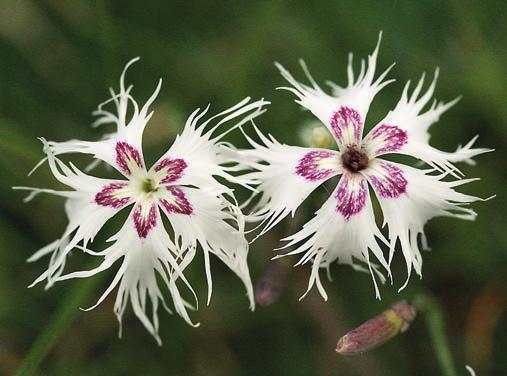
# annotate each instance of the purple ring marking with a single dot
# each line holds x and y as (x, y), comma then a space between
(127, 154)
(181, 205)
(392, 183)
(309, 166)
(144, 222)
(173, 169)
(110, 195)
(344, 118)
(393, 138)
(351, 198)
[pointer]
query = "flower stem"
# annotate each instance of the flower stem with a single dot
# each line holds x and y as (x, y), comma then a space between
(66, 313)
(434, 316)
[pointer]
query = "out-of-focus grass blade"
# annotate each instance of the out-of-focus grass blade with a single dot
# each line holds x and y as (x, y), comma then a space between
(436, 327)
(17, 144)
(56, 327)
(57, 20)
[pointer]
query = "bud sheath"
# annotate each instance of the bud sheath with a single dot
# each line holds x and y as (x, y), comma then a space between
(377, 330)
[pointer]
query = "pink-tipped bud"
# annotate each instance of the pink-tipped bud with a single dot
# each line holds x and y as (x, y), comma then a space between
(377, 330)
(271, 283)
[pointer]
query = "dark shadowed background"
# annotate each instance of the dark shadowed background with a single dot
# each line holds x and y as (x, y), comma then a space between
(57, 60)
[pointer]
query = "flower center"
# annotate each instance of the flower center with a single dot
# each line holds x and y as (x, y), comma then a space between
(354, 160)
(149, 186)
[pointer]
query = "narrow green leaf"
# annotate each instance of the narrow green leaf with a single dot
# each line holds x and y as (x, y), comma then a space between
(56, 327)
(435, 321)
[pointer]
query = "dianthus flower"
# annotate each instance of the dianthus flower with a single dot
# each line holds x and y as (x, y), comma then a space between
(344, 228)
(183, 186)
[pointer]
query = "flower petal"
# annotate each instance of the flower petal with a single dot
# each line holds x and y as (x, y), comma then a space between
(202, 217)
(317, 165)
(115, 195)
(88, 208)
(405, 131)
(122, 149)
(196, 157)
(386, 138)
(351, 196)
(145, 217)
(347, 107)
(347, 127)
(387, 179)
(170, 170)
(175, 201)
(409, 198)
(285, 176)
(143, 260)
(344, 230)
(128, 158)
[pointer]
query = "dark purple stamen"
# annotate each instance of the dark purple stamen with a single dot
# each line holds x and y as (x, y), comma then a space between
(354, 160)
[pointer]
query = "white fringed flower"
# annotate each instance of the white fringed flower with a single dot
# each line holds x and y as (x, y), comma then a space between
(344, 228)
(182, 186)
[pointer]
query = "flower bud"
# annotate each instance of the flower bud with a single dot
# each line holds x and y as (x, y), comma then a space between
(377, 330)
(271, 283)
(315, 135)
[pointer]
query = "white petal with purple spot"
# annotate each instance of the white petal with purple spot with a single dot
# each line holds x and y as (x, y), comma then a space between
(347, 127)
(405, 130)
(357, 95)
(342, 230)
(409, 198)
(289, 176)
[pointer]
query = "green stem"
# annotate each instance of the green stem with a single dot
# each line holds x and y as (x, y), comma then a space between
(56, 327)
(435, 321)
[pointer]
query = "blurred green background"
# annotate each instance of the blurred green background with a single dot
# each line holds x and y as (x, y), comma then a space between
(57, 59)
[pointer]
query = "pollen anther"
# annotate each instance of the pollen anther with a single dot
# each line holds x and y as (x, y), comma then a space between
(354, 159)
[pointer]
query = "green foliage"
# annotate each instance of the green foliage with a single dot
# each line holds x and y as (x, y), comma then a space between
(57, 60)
